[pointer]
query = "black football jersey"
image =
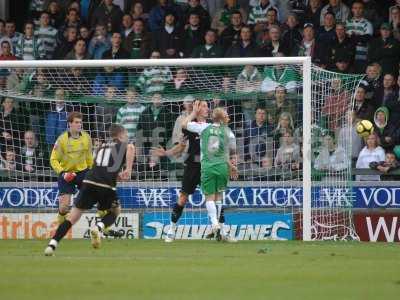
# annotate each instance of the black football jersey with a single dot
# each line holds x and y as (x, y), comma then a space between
(108, 162)
(194, 146)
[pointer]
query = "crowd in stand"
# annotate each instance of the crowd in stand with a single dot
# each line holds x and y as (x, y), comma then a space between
(345, 37)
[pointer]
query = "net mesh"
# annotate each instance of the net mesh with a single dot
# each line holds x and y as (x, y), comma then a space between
(264, 103)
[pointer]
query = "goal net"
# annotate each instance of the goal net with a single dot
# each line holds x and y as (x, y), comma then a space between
(293, 128)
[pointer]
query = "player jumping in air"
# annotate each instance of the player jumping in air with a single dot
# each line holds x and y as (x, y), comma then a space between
(191, 174)
(71, 158)
(99, 186)
(217, 141)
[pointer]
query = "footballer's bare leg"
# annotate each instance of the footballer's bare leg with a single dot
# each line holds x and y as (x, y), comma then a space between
(175, 215)
(63, 207)
(62, 230)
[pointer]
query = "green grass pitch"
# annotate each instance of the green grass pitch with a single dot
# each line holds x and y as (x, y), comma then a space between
(143, 269)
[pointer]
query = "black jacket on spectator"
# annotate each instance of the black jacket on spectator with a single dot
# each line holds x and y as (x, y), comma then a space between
(238, 50)
(380, 99)
(202, 52)
(162, 40)
(393, 104)
(291, 38)
(319, 53)
(205, 19)
(229, 37)
(104, 16)
(138, 45)
(120, 54)
(365, 111)
(313, 18)
(325, 36)
(386, 53)
(336, 49)
(192, 39)
(268, 48)
(15, 123)
(63, 49)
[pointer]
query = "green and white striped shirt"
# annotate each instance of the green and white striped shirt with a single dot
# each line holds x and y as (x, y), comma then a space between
(360, 27)
(48, 35)
(128, 116)
(259, 14)
(29, 49)
(153, 80)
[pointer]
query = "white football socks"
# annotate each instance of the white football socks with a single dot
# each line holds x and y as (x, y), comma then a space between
(212, 212)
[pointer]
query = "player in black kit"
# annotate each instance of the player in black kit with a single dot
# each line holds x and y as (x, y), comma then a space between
(99, 187)
(191, 175)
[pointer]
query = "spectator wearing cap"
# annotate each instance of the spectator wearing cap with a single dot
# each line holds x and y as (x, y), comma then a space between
(210, 49)
(341, 47)
(231, 34)
(326, 33)
(246, 47)
(138, 41)
(222, 18)
(385, 50)
(360, 30)
(194, 7)
(158, 13)
(108, 13)
(193, 35)
(167, 40)
(309, 47)
(341, 11)
(312, 13)
(291, 35)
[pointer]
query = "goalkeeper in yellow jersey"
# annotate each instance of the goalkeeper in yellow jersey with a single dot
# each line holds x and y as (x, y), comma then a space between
(71, 158)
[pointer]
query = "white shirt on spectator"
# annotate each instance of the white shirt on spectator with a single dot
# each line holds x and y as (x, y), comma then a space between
(367, 156)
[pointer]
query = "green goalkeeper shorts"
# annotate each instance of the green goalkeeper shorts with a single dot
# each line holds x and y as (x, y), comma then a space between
(214, 179)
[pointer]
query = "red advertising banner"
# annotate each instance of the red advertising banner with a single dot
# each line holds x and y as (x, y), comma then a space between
(378, 227)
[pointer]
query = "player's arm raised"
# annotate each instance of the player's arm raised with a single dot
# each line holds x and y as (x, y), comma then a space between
(192, 115)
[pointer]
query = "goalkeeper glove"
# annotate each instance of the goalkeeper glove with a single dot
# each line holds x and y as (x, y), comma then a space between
(69, 176)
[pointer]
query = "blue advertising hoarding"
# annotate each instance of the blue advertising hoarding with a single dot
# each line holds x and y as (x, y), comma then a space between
(235, 197)
(241, 225)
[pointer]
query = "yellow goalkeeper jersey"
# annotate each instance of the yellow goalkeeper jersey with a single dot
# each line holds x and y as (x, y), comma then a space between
(71, 154)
